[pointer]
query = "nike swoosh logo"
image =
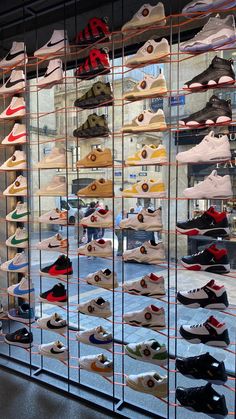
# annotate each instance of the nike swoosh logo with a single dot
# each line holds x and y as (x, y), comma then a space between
(92, 339)
(16, 216)
(98, 369)
(55, 352)
(13, 267)
(10, 56)
(52, 247)
(12, 137)
(10, 83)
(51, 326)
(15, 241)
(48, 74)
(15, 163)
(52, 44)
(53, 218)
(22, 292)
(14, 191)
(10, 111)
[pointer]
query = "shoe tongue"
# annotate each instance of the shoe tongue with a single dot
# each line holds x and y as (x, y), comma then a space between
(24, 331)
(153, 243)
(150, 211)
(59, 345)
(210, 211)
(102, 358)
(102, 211)
(154, 308)
(211, 283)
(106, 271)
(153, 277)
(101, 241)
(58, 236)
(214, 322)
(155, 345)
(100, 301)
(57, 317)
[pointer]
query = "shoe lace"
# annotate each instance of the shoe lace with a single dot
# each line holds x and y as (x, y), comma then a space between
(193, 326)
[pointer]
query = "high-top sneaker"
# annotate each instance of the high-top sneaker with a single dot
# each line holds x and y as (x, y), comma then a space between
(19, 214)
(19, 263)
(147, 15)
(15, 110)
(210, 259)
(56, 295)
(16, 162)
(24, 289)
(151, 317)
(54, 74)
(150, 252)
(15, 83)
(19, 239)
(212, 187)
(96, 30)
(17, 188)
(146, 219)
(95, 126)
(56, 159)
(56, 187)
(210, 296)
(211, 332)
(17, 135)
(58, 44)
(61, 268)
(150, 52)
(208, 5)
(15, 57)
(97, 63)
(100, 94)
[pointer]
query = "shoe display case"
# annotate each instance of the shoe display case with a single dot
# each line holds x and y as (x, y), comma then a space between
(117, 206)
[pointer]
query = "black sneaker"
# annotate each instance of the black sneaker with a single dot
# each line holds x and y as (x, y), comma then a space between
(210, 259)
(100, 94)
(62, 268)
(211, 332)
(203, 399)
(21, 337)
(56, 295)
(219, 72)
(96, 30)
(211, 296)
(97, 63)
(203, 367)
(95, 126)
(210, 223)
(216, 111)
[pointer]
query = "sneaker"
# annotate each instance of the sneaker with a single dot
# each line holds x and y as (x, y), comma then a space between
(211, 259)
(56, 159)
(100, 248)
(25, 289)
(147, 121)
(98, 188)
(95, 126)
(61, 268)
(97, 30)
(22, 338)
(99, 364)
(95, 64)
(17, 135)
(16, 109)
(150, 317)
(17, 188)
(96, 158)
(103, 279)
(208, 5)
(146, 189)
(15, 57)
(54, 244)
(55, 216)
(202, 367)
(147, 15)
(55, 350)
(210, 150)
(99, 219)
(23, 314)
(216, 111)
(19, 263)
(146, 219)
(148, 351)
(14, 84)
(211, 332)
(210, 223)
(56, 295)
(148, 382)
(18, 239)
(149, 285)
(149, 154)
(97, 336)
(150, 252)
(56, 187)
(96, 307)
(151, 52)
(210, 296)
(212, 187)
(54, 74)
(58, 43)
(19, 214)
(53, 323)
(99, 95)
(16, 162)
(148, 87)
(202, 399)
(215, 33)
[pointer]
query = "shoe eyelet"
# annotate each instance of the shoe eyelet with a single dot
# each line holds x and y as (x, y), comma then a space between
(145, 187)
(140, 218)
(150, 383)
(146, 352)
(143, 85)
(143, 283)
(97, 278)
(145, 12)
(143, 250)
(140, 117)
(150, 49)
(89, 248)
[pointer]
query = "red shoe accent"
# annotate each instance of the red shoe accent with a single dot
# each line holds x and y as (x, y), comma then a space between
(213, 285)
(218, 216)
(103, 211)
(51, 297)
(193, 232)
(96, 28)
(154, 308)
(193, 268)
(214, 322)
(154, 277)
(95, 58)
(12, 137)
(10, 111)
(217, 253)
(54, 272)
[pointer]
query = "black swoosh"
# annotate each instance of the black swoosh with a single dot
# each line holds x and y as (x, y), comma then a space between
(12, 56)
(50, 44)
(10, 83)
(53, 219)
(52, 247)
(50, 326)
(48, 74)
(56, 353)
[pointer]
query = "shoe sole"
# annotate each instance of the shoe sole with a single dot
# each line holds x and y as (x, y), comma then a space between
(92, 74)
(58, 249)
(95, 165)
(224, 41)
(105, 315)
(92, 132)
(147, 162)
(147, 294)
(51, 193)
(159, 58)
(98, 255)
(99, 225)
(217, 344)
(217, 269)
(223, 5)
(56, 222)
(151, 262)
(134, 323)
(55, 303)
(144, 195)
(217, 159)
(224, 80)
(156, 22)
(20, 345)
(161, 363)
(210, 306)
(20, 320)
(103, 345)
(212, 415)
(99, 101)
(104, 286)
(148, 228)
(102, 374)
(148, 93)
(145, 128)
(194, 124)
(43, 274)
(51, 166)
(212, 232)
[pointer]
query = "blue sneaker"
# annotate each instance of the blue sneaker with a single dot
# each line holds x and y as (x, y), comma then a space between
(23, 314)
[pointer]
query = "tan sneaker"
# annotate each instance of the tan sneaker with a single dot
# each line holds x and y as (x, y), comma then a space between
(149, 86)
(97, 158)
(56, 187)
(147, 15)
(150, 52)
(98, 188)
(147, 121)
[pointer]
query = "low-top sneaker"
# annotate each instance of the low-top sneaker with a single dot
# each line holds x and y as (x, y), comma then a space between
(96, 158)
(18, 239)
(98, 188)
(149, 154)
(98, 219)
(99, 364)
(148, 382)
(17, 56)
(54, 74)
(56, 187)
(146, 219)
(148, 87)
(22, 338)
(54, 216)
(58, 44)
(207, 5)
(19, 214)
(147, 15)
(150, 252)
(17, 135)
(100, 248)
(54, 244)
(146, 189)
(19, 263)
(53, 323)
(97, 336)
(96, 31)
(150, 52)
(94, 126)
(211, 259)
(211, 332)
(16, 162)
(103, 278)
(96, 307)
(147, 121)
(55, 350)
(150, 317)
(100, 94)
(25, 289)
(14, 84)
(16, 109)
(95, 64)
(212, 187)
(56, 159)
(23, 314)
(148, 351)
(210, 296)
(57, 295)
(61, 268)
(149, 285)
(17, 188)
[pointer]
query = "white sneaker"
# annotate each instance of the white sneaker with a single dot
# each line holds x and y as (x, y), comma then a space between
(97, 336)
(146, 219)
(56, 187)
(103, 278)
(16, 162)
(16, 56)
(97, 307)
(147, 121)
(16, 109)
(19, 263)
(54, 244)
(149, 154)
(56, 159)
(149, 285)
(147, 188)
(55, 350)
(24, 289)
(211, 149)
(150, 52)
(99, 219)
(150, 252)
(18, 239)
(99, 364)
(150, 317)
(147, 15)
(207, 5)
(19, 214)
(53, 323)
(57, 44)
(17, 188)
(15, 83)
(148, 87)
(54, 74)
(16, 136)
(148, 351)
(212, 187)
(210, 296)
(55, 216)
(148, 382)
(100, 248)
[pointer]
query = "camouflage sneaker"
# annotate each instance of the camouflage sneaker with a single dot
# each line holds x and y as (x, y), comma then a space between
(100, 94)
(95, 126)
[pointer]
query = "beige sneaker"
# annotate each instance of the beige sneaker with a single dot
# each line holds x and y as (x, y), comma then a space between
(97, 158)
(147, 15)
(98, 188)
(147, 121)
(56, 187)
(149, 86)
(56, 159)
(150, 52)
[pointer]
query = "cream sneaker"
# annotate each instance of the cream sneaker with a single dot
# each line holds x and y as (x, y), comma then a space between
(18, 239)
(150, 52)
(103, 278)
(98, 364)
(54, 74)
(150, 252)
(17, 188)
(57, 187)
(16, 56)
(16, 162)
(56, 159)
(147, 15)
(58, 43)
(96, 307)
(146, 219)
(100, 219)
(149, 285)
(148, 382)
(148, 351)
(100, 248)
(212, 187)
(97, 336)
(15, 110)
(149, 154)
(150, 317)
(54, 216)
(148, 87)
(15, 83)
(16, 136)
(147, 121)
(19, 214)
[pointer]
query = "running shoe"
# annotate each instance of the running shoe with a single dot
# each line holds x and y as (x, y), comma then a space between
(55, 187)
(23, 314)
(16, 109)
(99, 95)
(95, 64)
(54, 75)
(98, 219)
(20, 214)
(98, 188)
(211, 259)
(55, 350)
(103, 279)
(94, 126)
(17, 135)
(96, 158)
(24, 289)
(146, 16)
(57, 295)
(210, 296)
(149, 154)
(148, 382)
(149, 285)
(97, 336)
(97, 30)
(17, 188)
(53, 323)
(100, 248)
(21, 337)
(146, 219)
(57, 44)
(148, 87)
(19, 239)
(16, 162)
(151, 52)
(56, 159)
(96, 307)
(54, 244)
(151, 317)
(208, 6)
(99, 364)
(15, 83)
(147, 121)
(19, 263)
(54, 216)
(61, 268)
(150, 252)
(17, 56)
(148, 351)
(212, 187)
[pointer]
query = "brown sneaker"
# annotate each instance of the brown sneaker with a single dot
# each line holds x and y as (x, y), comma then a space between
(98, 188)
(148, 87)
(97, 158)
(150, 52)
(147, 121)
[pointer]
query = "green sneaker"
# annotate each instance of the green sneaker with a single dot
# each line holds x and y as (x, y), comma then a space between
(100, 94)
(148, 351)
(95, 126)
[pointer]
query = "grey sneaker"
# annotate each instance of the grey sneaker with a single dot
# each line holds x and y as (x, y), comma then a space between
(216, 33)
(207, 5)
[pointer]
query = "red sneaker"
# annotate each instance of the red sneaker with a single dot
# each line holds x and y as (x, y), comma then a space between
(97, 63)
(96, 30)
